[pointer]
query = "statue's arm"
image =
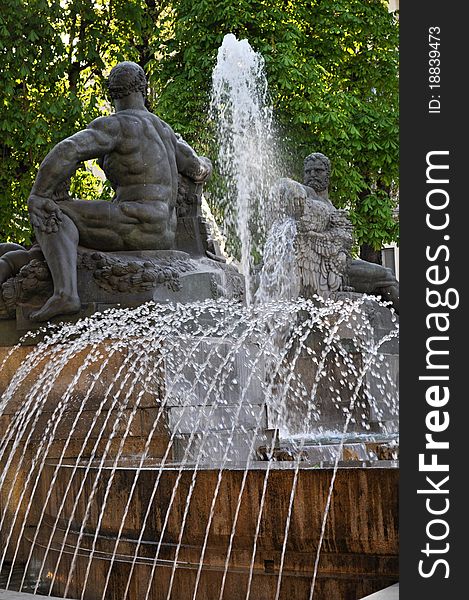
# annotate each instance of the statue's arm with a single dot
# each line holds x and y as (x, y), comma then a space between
(290, 197)
(197, 168)
(98, 139)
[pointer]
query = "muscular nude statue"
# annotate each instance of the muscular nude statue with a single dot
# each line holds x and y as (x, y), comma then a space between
(141, 156)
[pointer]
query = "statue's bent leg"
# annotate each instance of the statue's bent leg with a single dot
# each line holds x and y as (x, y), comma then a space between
(370, 278)
(13, 257)
(9, 247)
(7, 269)
(12, 261)
(60, 251)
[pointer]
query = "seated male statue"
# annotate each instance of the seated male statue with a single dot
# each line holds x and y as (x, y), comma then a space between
(324, 239)
(141, 157)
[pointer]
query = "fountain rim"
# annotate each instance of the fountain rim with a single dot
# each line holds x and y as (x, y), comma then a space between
(254, 465)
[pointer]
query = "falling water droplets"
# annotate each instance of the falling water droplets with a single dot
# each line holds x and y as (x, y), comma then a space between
(247, 157)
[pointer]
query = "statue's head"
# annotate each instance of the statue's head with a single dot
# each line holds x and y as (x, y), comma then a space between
(317, 171)
(125, 78)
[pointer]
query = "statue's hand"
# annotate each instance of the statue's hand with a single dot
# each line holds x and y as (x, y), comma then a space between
(205, 170)
(290, 197)
(44, 213)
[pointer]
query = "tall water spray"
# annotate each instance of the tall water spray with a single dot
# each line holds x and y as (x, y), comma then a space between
(246, 157)
(279, 278)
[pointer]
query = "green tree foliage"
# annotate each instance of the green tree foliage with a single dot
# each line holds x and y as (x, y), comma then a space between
(52, 58)
(29, 77)
(331, 65)
(355, 119)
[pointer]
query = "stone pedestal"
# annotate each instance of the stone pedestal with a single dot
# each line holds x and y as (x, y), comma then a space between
(223, 416)
(359, 370)
(359, 555)
(117, 279)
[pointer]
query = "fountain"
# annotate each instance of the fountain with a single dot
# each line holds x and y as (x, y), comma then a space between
(248, 158)
(186, 444)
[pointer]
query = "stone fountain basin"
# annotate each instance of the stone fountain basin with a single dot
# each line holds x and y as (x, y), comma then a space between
(359, 552)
